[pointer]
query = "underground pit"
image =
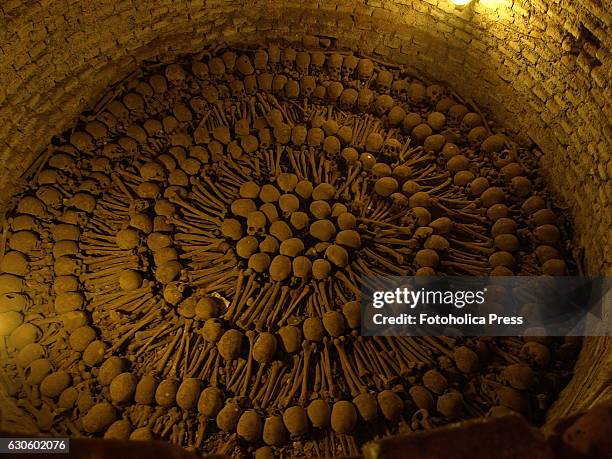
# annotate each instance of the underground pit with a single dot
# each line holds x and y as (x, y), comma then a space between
(212, 236)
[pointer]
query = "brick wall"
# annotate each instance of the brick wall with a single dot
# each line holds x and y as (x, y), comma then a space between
(540, 67)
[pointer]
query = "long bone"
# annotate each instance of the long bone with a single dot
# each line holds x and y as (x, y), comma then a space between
(244, 384)
(182, 347)
(277, 371)
(309, 349)
(292, 383)
(297, 300)
(238, 301)
(327, 369)
(137, 326)
(353, 381)
(272, 317)
(262, 316)
(190, 209)
(265, 296)
(158, 332)
(161, 364)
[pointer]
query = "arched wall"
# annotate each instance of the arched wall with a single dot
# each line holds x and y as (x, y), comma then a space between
(541, 68)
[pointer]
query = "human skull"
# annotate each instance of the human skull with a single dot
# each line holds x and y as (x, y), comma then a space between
(384, 80)
(334, 64)
(317, 59)
(365, 99)
(28, 241)
(383, 104)
(265, 138)
(152, 171)
(315, 137)
(96, 129)
(520, 186)
(477, 135)
(374, 142)
(66, 265)
(134, 102)
(416, 93)
(173, 292)
(504, 157)
(308, 84)
(470, 120)
(49, 177)
(334, 90)
(82, 141)
(256, 222)
(119, 111)
(210, 93)
(175, 74)
(216, 66)
(99, 182)
(137, 133)
(200, 70)
(82, 201)
(102, 179)
(435, 92)
(365, 69)
(399, 88)
(155, 129)
(197, 104)
(348, 98)
(274, 55)
(264, 81)
(319, 93)
(138, 206)
(302, 62)
(274, 117)
(229, 59)
(278, 83)
(108, 119)
(237, 88)
(392, 148)
(30, 205)
(89, 186)
(244, 65)
(457, 112)
(331, 145)
(399, 200)
(282, 133)
(260, 59)
(224, 91)
(50, 196)
(250, 85)
(288, 56)
(348, 66)
(144, 89)
(63, 162)
(298, 135)
(292, 89)
(158, 83)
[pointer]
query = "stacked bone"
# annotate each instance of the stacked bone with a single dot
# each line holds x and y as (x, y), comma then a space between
(186, 264)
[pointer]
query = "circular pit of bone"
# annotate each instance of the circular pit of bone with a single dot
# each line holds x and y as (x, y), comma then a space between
(185, 264)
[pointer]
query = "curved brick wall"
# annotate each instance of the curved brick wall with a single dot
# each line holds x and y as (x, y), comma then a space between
(539, 67)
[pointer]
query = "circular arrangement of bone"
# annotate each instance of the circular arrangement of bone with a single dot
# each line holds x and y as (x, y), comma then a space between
(185, 264)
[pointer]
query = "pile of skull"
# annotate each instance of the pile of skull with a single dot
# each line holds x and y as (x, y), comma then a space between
(185, 265)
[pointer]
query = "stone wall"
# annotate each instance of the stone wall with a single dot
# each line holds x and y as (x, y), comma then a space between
(539, 67)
